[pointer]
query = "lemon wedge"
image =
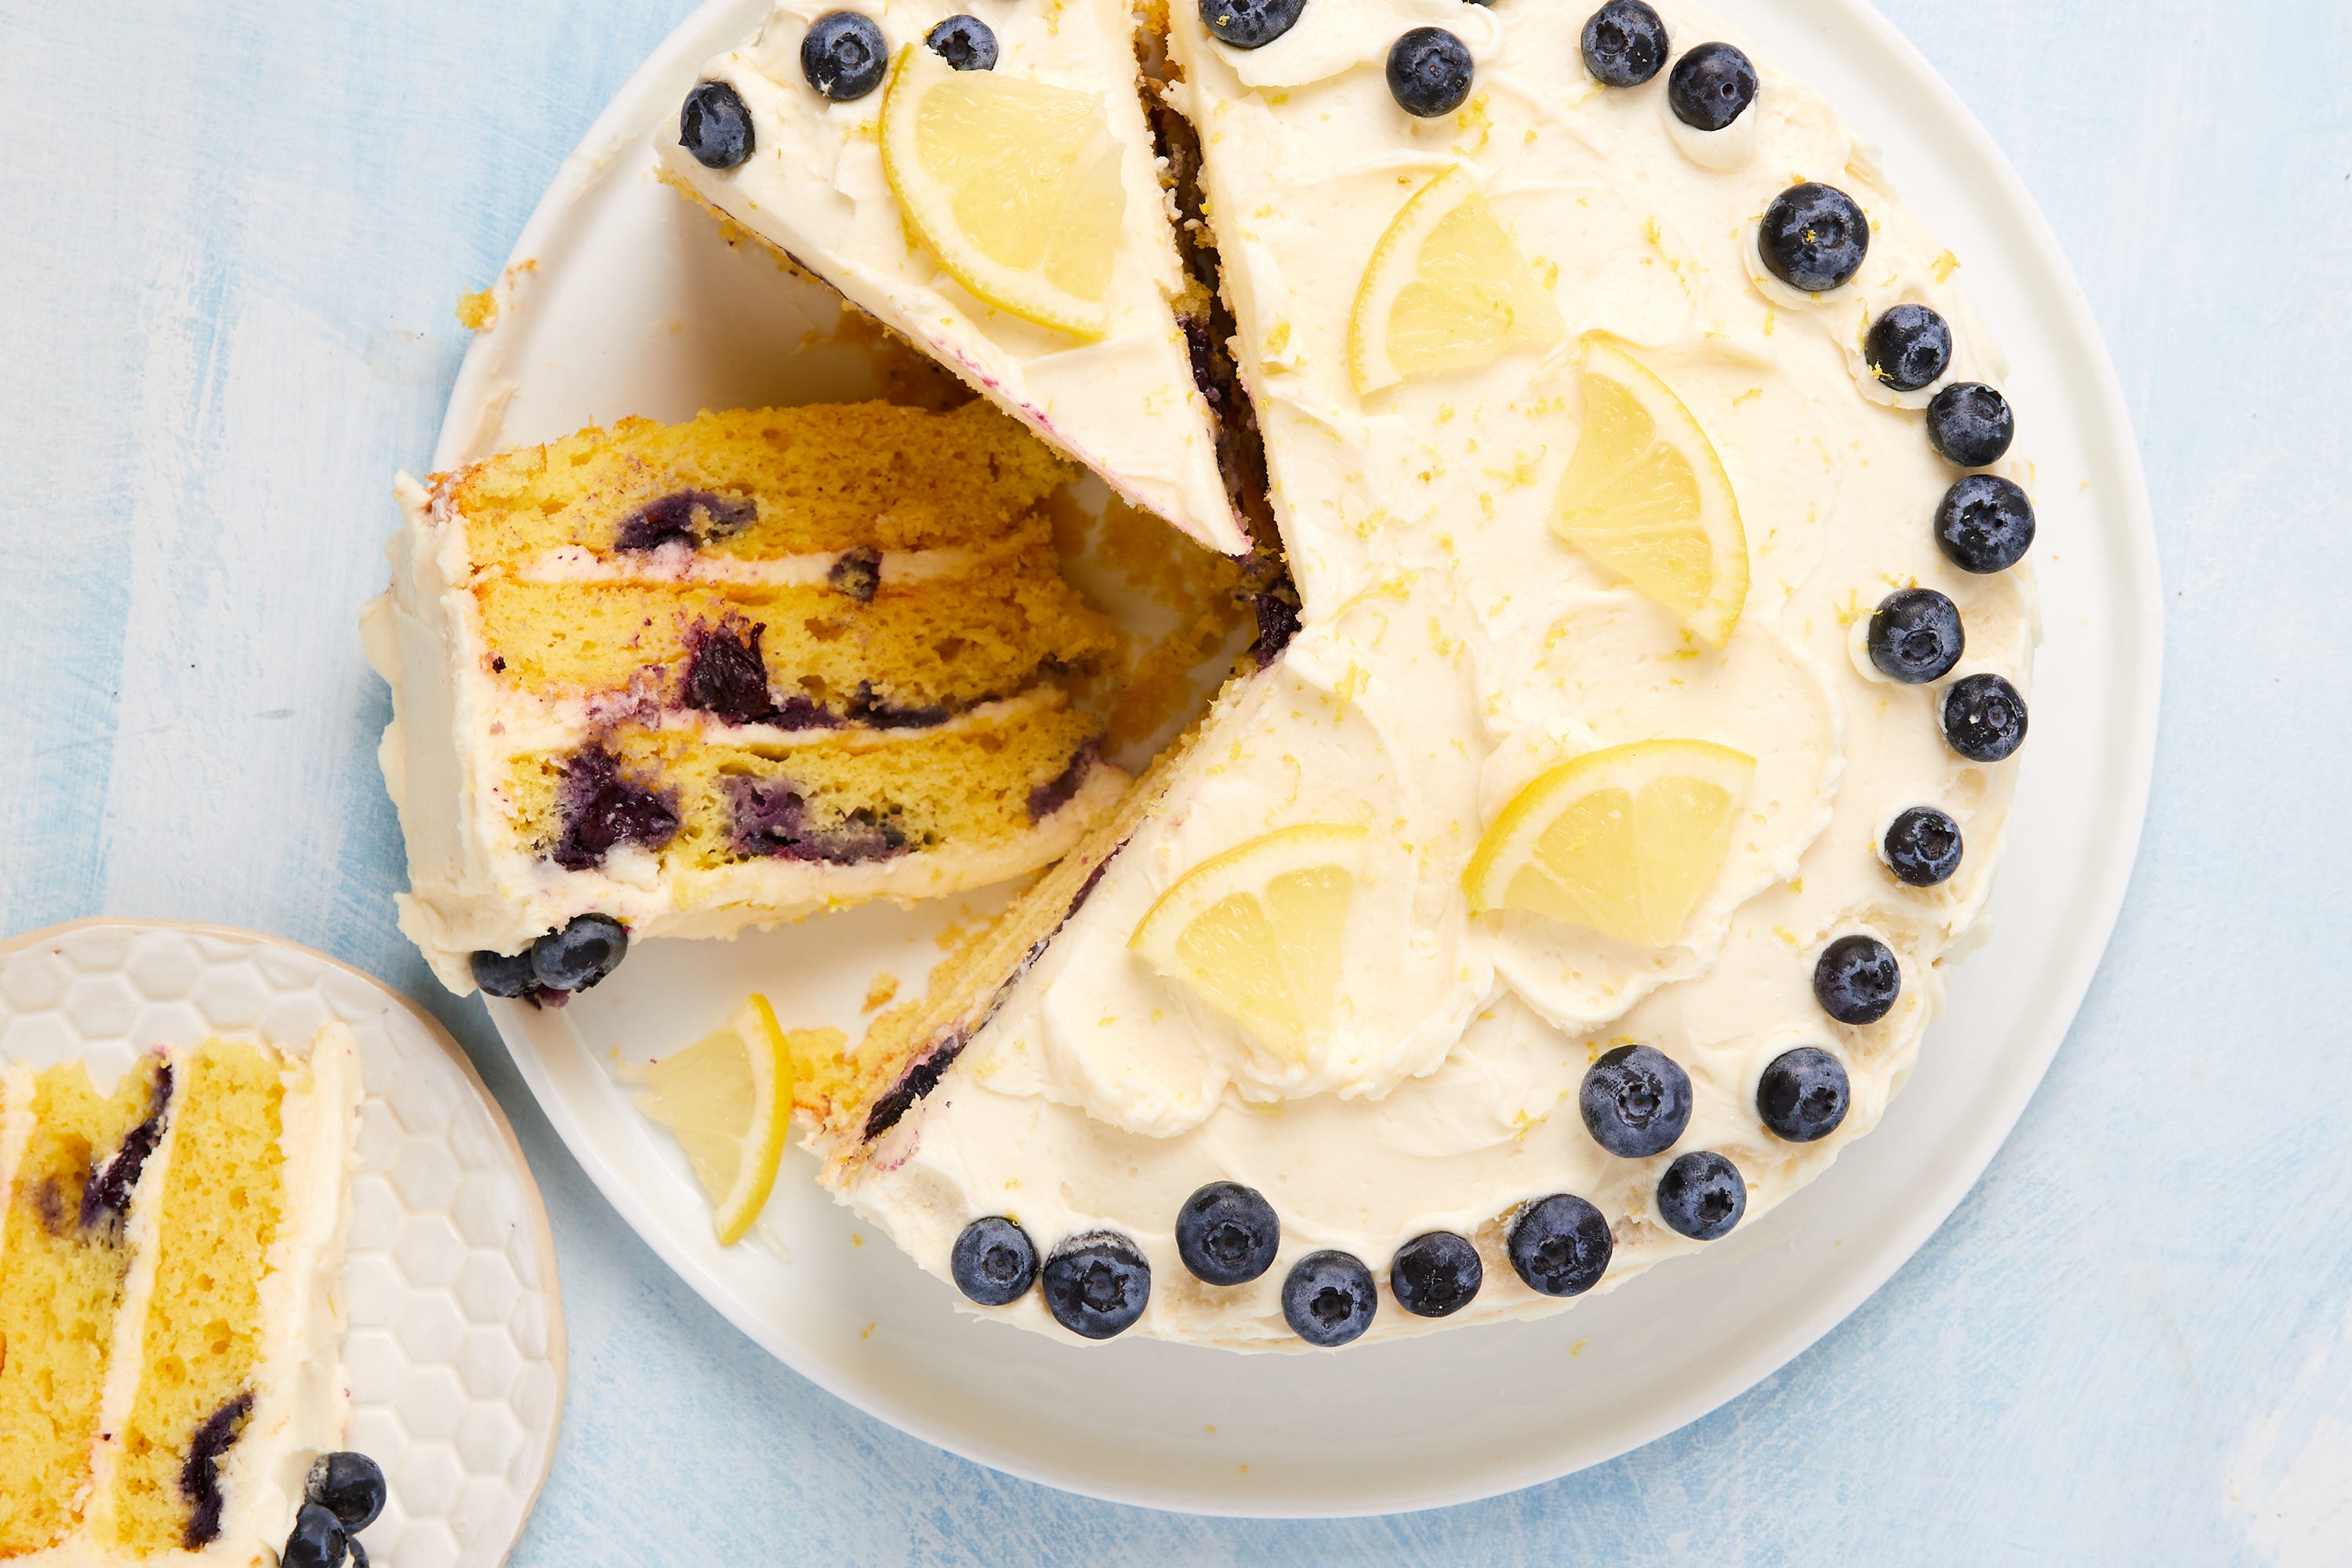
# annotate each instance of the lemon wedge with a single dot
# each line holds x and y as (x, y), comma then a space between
(1646, 498)
(1446, 290)
(1257, 930)
(729, 1100)
(1625, 841)
(1014, 185)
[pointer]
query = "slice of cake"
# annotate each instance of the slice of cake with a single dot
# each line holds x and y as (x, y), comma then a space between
(168, 1301)
(989, 189)
(674, 680)
(1580, 878)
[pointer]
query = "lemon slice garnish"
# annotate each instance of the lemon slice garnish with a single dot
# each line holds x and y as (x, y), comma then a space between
(1446, 290)
(1646, 498)
(1625, 841)
(1014, 185)
(1257, 930)
(729, 1100)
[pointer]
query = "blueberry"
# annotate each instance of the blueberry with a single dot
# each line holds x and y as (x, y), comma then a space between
(1803, 1094)
(1327, 1298)
(843, 56)
(1250, 24)
(1637, 1102)
(1970, 424)
(1984, 718)
(1097, 1285)
(1916, 636)
(581, 954)
(966, 43)
(1813, 237)
(1856, 979)
(1985, 524)
(716, 127)
(1560, 1246)
(504, 973)
(1227, 1234)
(351, 1485)
(1910, 347)
(1711, 87)
(1435, 1276)
(1701, 1195)
(1624, 44)
(1429, 72)
(318, 1540)
(1923, 848)
(994, 1261)
(359, 1552)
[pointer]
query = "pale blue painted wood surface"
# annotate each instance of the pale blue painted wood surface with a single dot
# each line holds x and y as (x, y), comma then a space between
(231, 236)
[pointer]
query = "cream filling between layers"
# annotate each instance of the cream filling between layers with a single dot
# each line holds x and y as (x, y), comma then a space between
(1454, 649)
(1126, 406)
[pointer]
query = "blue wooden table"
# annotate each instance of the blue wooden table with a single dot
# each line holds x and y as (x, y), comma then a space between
(232, 234)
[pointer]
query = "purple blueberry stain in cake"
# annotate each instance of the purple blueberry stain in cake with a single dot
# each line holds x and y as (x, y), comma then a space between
(857, 574)
(603, 809)
(919, 1080)
(106, 1201)
(725, 675)
(869, 709)
(1204, 360)
(695, 517)
(1277, 623)
(199, 1474)
(772, 820)
(1062, 788)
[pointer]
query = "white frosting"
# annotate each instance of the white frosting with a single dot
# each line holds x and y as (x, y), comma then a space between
(475, 884)
(1126, 406)
(301, 1403)
(1453, 649)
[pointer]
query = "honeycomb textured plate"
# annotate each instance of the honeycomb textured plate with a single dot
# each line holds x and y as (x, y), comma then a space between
(454, 1345)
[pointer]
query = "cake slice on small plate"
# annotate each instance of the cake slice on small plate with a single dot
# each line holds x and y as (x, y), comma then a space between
(989, 190)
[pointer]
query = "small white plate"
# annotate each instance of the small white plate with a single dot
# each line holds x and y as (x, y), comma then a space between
(623, 298)
(456, 1342)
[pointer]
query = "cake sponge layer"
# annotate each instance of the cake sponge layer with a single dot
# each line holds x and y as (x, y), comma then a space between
(752, 484)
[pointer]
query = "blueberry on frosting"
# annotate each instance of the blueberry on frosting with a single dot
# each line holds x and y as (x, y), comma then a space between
(1435, 1276)
(1227, 1234)
(1702, 1196)
(1250, 24)
(1909, 346)
(1329, 1298)
(843, 56)
(1916, 636)
(1803, 1095)
(1429, 72)
(1970, 424)
(1098, 1284)
(585, 951)
(504, 973)
(715, 127)
(994, 1261)
(1711, 86)
(1813, 237)
(1560, 1246)
(1857, 979)
(1984, 523)
(317, 1541)
(1637, 1102)
(351, 1485)
(1984, 718)
(966, 43)
(1923, 847)
(1624, 43)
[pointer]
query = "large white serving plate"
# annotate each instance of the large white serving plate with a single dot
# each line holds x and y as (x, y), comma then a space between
(454, 1343)
(622, 298)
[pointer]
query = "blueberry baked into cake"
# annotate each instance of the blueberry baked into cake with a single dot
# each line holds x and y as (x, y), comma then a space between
(171, 1251)
(1578, 878)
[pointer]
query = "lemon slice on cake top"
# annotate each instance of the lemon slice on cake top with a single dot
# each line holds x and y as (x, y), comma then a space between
(1625, 841)
(728, 1098)
(1012, 185)
(1446, 290)
(1257, 930)
(1646, 498)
